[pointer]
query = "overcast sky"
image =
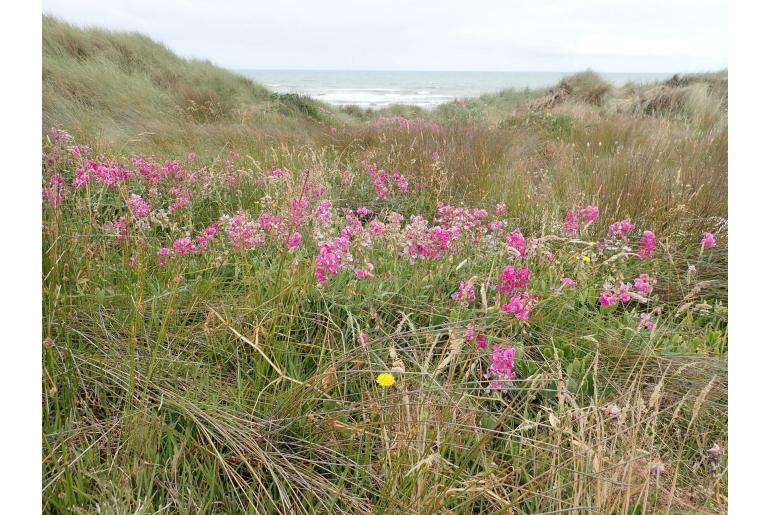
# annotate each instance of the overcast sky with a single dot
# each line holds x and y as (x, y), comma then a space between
(508, 35)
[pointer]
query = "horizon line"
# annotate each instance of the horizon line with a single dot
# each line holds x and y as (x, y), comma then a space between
(666, 72)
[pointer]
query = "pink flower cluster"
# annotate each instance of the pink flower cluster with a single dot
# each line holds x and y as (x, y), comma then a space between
(520, 304)
(53, 193)
(518, 243)
(647, 245)
(366, 271)
(423, 242)
(243, 232)
(620, 229)
(622, 291)
(139, 208)
(574, 218)
(646, 321)
(512, 279)
(471, 335)
(332, 255)
(465, 293)
(385, 184)
(460, 217)
(708, 240)
(500, 370)
(644, 284)
(186, 245)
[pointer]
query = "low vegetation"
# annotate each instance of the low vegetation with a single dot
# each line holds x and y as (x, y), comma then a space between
(261, 303)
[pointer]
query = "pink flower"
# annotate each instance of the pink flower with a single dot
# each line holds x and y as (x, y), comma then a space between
(294, 241)
(646, 321)
(81, 178)
(517, 242)
(500, 209)
(401, 183)
(365, 272)
(520, 305)
(465, 293)
(472, 335)
(572, 220)
(608, 298)
(647, 245)
(512, 278)
(206, 236)
(243, 232)
(708, 240)
(434, 156)
(643, 283)
(139, 208)
(322, 213)
(184, 246)
(53, 193)
(163, 254)
(501, 366)
(332, 255)
(364, 340)
(620, 229)
(568, 282)
(624, 294)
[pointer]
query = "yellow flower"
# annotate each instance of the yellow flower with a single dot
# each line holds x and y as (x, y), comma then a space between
(386, 380)
(586, 259)
(592, 243)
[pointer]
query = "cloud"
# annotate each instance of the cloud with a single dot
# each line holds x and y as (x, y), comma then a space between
(547, 35)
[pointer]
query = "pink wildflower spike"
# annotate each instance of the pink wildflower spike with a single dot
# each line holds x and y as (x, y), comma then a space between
(647, 245)
(708, 240)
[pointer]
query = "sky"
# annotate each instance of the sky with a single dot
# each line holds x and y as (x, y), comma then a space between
(509, 35)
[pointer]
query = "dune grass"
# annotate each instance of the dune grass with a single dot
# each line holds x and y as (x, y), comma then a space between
(240, 374)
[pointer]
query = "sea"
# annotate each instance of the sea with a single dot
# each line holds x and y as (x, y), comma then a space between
(427, 89)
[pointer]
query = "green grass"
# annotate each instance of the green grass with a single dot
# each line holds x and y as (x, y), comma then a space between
(230, 381)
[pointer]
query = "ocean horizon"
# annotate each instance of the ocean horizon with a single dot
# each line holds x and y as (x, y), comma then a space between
(427, 89)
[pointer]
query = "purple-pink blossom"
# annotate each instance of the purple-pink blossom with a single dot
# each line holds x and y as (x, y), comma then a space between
(139, 208)
(500, 371)
(647, 245)
(465, 293)
(620, 229)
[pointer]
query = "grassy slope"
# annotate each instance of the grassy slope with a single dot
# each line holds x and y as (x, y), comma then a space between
(124, 90)
(152, 402)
